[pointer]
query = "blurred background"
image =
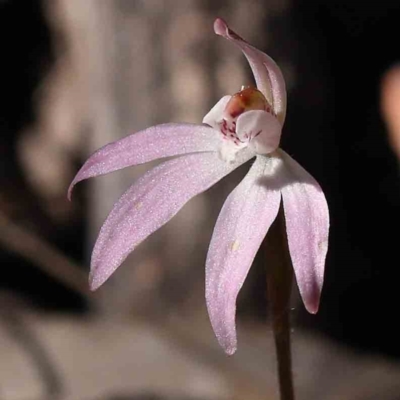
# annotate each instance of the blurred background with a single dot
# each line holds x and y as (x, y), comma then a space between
(76, 75)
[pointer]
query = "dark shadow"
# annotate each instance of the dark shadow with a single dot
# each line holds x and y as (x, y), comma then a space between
(335, 130)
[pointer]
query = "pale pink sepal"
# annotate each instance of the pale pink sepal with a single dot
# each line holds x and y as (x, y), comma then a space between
(151, 202)
(268, 76)
(241, 227)
(307, 227)
(159, 141)
(261, 128)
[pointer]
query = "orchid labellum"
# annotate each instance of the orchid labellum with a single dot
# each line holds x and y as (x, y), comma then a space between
(238, 128)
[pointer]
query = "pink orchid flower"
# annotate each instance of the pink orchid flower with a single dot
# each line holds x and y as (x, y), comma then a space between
(238, 128)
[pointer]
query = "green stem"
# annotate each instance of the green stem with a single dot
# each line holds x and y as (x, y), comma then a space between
(279, 284)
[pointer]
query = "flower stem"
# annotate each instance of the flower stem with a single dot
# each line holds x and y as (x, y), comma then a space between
(279, 284)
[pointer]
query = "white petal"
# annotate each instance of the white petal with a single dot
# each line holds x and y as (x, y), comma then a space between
(215, 115)
(261, 128)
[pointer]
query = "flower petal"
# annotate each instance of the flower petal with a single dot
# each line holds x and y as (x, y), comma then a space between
(261, 128)
(150, 203)
(268, 76)
(307, 226)
(241, 227)
(215, 116)
(159, 141)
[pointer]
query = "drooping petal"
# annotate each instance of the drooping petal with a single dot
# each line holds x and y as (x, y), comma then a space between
(215, 116)
(241, 227)
(268, 76)
(261, 128)
(151, 202)
(307, 226)
(159, 141)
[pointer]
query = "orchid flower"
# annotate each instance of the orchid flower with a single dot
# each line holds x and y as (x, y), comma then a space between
(238, 128)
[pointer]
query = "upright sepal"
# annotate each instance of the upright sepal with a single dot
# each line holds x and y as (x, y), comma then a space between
(268, 76)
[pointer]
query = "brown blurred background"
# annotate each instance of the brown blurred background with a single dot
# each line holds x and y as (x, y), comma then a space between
(76, 75)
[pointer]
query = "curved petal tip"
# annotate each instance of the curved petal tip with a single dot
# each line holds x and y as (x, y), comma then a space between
(71, 187)
(312, 308)
(95, 281)
(220, 27)
(312, 299)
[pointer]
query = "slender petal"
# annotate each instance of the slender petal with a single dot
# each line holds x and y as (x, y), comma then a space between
(261, 128)
(150, 203)
(241, 227)
(150, 144)
(307, 226)
(268, 76)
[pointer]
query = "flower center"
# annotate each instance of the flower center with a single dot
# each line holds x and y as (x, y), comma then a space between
(247, 99)
(245, 119)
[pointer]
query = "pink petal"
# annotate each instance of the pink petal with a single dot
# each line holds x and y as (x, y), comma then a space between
(268, 76)
(307, 226)
(150, 203)
(262, 128)
(241, 227)
(150, 144)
